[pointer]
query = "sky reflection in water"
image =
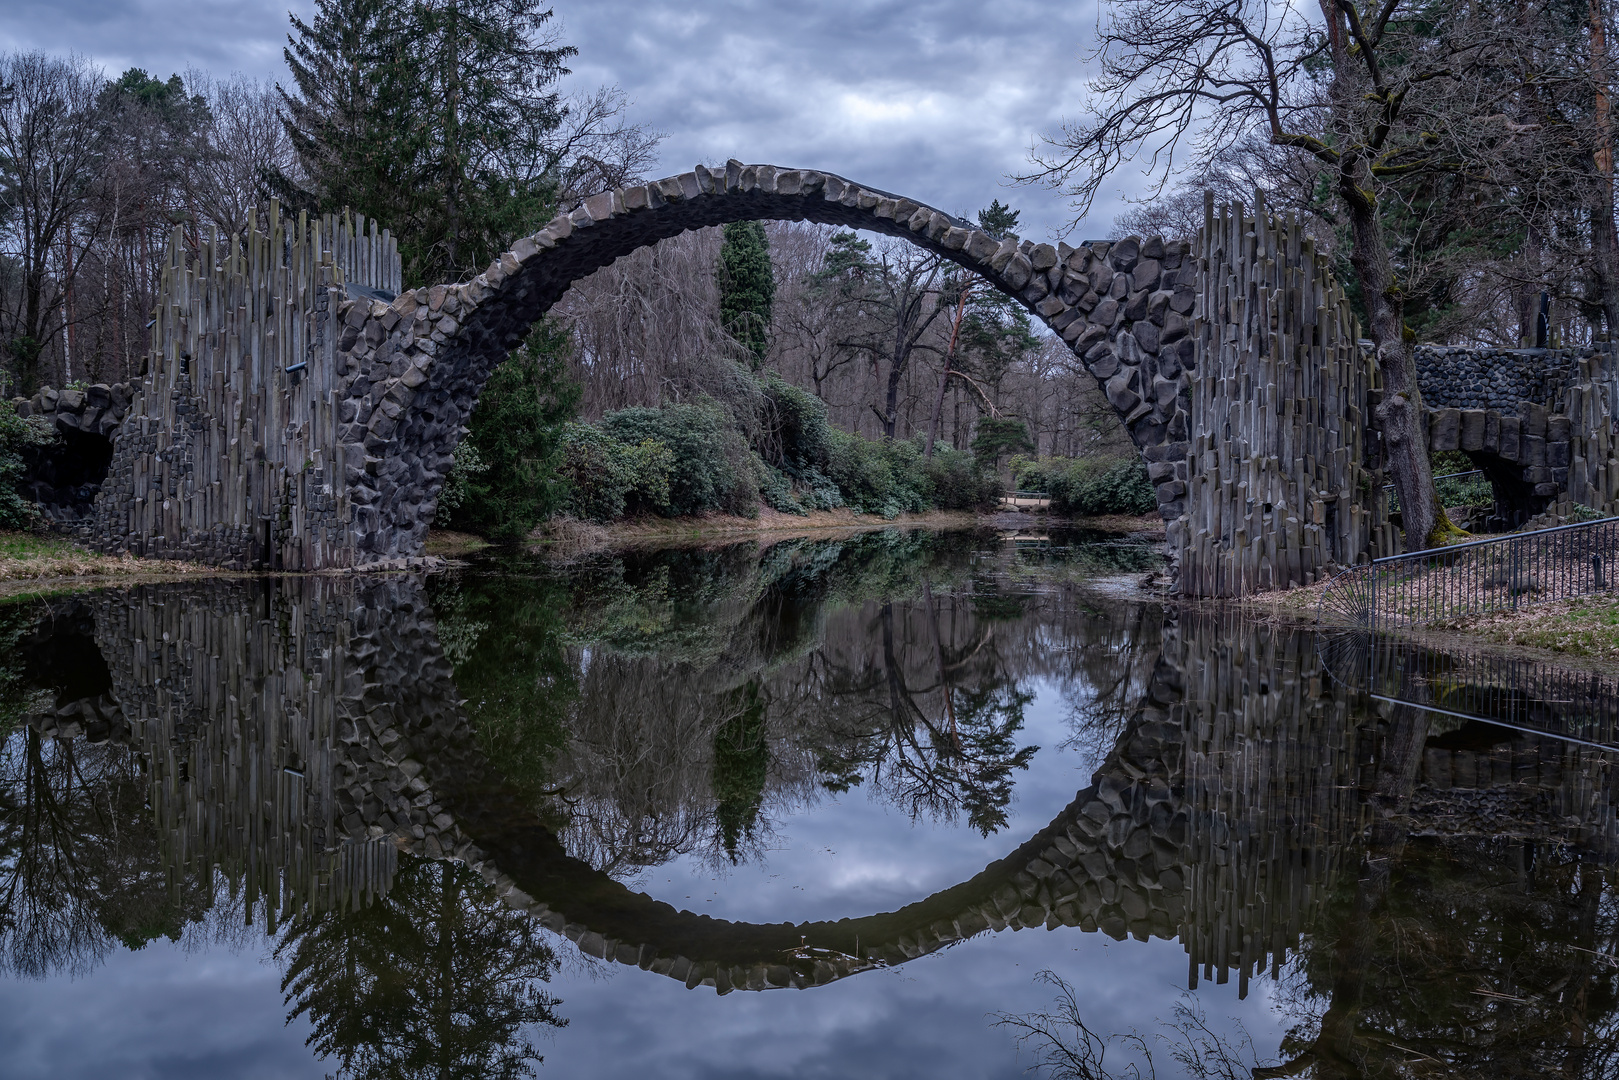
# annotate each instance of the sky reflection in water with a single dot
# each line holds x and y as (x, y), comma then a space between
(681, 719)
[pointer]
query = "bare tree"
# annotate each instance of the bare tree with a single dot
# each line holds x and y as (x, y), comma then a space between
(887, 296)
(50, 154)
(245, 147)
(1194, 77)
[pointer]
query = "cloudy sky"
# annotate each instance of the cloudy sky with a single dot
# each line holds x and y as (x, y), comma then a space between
(937, 100)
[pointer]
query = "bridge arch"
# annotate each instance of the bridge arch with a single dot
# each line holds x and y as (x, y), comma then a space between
(414, 367)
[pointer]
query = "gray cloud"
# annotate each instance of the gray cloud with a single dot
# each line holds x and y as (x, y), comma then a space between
(937, 100)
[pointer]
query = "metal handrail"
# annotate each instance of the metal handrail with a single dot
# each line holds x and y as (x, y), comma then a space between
(1500, 573)
(1520, 693)
(1430, 552)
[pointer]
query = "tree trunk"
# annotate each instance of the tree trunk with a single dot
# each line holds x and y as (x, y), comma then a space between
(896, 372)
(1604, 238)
(938, 412)
(1400, 412)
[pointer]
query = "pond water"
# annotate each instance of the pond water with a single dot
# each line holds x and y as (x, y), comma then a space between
(903, 804)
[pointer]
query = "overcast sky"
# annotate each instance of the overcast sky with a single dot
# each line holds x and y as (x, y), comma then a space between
(936, 100)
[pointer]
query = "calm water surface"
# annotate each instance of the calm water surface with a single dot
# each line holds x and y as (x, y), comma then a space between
(830, 808)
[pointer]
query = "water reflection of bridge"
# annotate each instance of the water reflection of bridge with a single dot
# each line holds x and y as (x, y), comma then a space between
(306, 731)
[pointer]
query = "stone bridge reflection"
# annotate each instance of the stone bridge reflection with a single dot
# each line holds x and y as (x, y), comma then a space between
(304, 732)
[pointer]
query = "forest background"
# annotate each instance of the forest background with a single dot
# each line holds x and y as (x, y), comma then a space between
(786, 364)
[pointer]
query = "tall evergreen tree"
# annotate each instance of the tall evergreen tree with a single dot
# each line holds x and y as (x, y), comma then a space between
(741, 770)
(350, 118)
(435, 116)
(516, 435)
(439, 979)
(747, 288)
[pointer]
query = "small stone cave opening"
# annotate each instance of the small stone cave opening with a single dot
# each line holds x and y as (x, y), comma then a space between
(65, 477)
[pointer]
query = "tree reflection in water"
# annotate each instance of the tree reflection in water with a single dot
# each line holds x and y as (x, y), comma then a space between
(438, 979)
(80, 871)
(651, 706)
(700, 696)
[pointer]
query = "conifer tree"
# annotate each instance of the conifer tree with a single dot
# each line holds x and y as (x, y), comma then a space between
(436, 117)
(516, 434)
(747, 288)
(349, 115)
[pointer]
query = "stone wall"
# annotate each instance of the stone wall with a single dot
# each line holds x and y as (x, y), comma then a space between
(229, 454)
(65, 479)
(1468, 377)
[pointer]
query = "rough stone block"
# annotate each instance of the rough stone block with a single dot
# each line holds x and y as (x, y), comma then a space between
(1136, 309)
(1472, 436)
(1444, 430)
(1106, 363)
(1511, 439)
(1124, 254)
(1535, 418)
(1147, 337)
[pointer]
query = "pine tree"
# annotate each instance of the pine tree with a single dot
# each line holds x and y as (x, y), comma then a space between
(350, 118)
(434, 116)
(741, 770)
(747, 288)
(516, 434)
(437, 979)
(999, 220)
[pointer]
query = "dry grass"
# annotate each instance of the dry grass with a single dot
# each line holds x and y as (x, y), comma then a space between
(566, 536)
(1588, 627)
(448, 544)
(30, 563)
(1146, 526)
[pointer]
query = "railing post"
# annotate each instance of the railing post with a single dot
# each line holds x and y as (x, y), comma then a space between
(1512, 574)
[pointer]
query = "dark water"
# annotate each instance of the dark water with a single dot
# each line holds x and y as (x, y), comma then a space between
(822, 809)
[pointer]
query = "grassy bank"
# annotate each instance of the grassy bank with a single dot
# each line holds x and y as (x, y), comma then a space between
(566, 536)
(31, 563)
(1586, 627)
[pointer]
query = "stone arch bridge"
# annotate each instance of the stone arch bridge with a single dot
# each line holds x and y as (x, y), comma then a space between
(299, 412)
(305, 731)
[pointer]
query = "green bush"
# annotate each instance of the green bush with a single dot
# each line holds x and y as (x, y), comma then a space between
(1032, 474)
(1088, 486)
(960, 481)
(17, 434)
(608, 478)
(879, 477)
(710, 467)
(795, 434)
(793, 447)
(686, 459)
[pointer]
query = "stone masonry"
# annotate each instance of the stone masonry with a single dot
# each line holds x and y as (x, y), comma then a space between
(300, 413)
